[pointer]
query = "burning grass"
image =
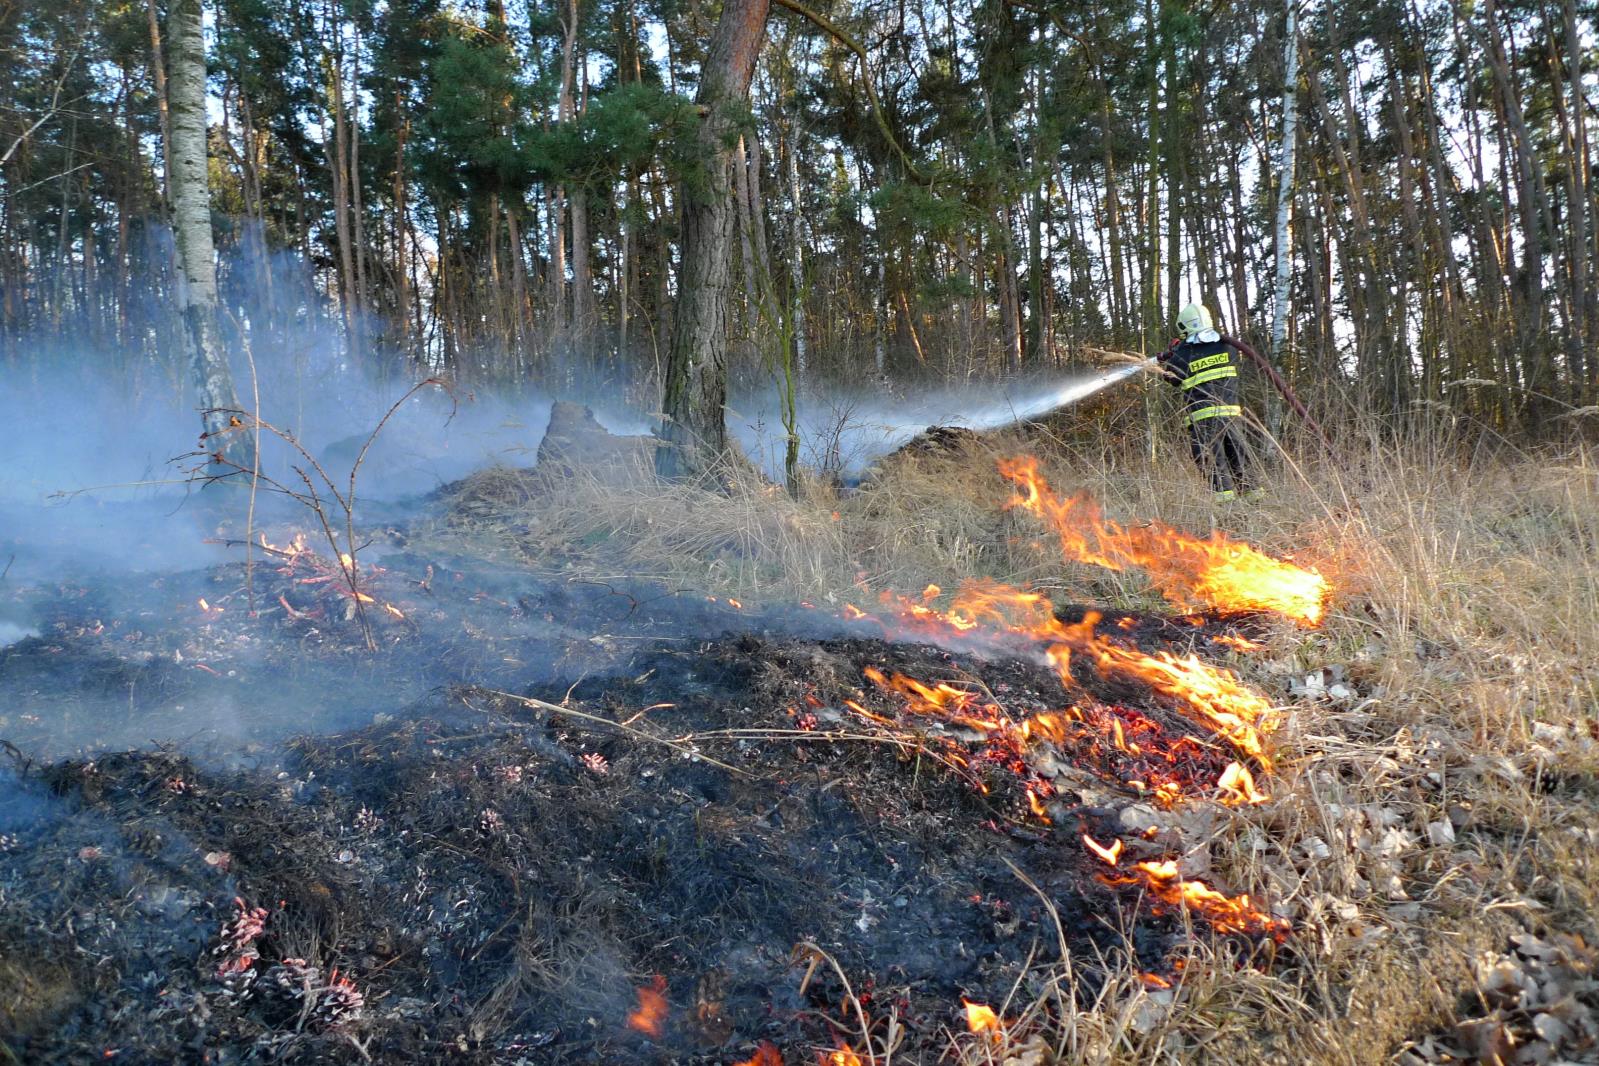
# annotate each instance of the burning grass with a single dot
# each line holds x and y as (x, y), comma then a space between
(893, 824)
(1432, 805)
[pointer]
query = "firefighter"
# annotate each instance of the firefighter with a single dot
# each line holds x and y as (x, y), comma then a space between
(1205, 368)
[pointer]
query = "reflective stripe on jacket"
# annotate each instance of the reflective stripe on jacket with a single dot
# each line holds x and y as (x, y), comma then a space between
(1194, 363)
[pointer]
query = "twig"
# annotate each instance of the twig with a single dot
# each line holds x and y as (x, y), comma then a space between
(311, 497)
(814, 951)
(555, 708)
(1049, 907)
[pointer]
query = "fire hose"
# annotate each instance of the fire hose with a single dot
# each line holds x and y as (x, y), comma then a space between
(1283, 389)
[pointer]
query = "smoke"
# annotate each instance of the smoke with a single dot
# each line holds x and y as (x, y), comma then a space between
(101, 524)
(107, 541)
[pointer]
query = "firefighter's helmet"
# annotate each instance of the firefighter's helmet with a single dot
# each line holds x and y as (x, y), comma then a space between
(1192, 320)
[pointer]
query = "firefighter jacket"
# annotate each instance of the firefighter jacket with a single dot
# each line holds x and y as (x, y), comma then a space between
(1206, 370)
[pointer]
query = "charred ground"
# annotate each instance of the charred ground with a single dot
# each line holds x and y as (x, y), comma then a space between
(684, 791)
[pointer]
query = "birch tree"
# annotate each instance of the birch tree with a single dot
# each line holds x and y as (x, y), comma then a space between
(191, 221)
(1285, 183)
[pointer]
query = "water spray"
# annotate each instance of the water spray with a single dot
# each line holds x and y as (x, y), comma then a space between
(1054, 398)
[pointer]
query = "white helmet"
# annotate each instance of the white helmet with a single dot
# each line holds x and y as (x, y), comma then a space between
(1192, 320)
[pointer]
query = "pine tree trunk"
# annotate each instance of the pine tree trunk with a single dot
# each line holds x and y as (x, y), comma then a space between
(746, 236)
(191, 219)
(695, 427)
(763, 265)
(1577, 178)
(402, 289)
(339, 164)
(583, 313)
(1532, 206)
(158, 74)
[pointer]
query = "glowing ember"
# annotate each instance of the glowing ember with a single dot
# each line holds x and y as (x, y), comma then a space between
(650, 1017)
(1215, 573)
(843, 1057)
(766, 1054)
(981, 1018)
(1227, 914)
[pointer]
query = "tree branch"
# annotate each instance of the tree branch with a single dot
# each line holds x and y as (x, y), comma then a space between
(827, 26)
(55, 102)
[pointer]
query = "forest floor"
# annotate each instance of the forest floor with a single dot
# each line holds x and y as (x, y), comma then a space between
(611, 787)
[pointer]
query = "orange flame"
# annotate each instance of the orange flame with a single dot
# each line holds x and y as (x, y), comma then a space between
(981, 1018)
(1111, 855)
(1236, 642)
(1209, 695)
(766, 1054)
(1227, 914)
(650, 1017)
(1215, 573)
(1237, 786)
(843, 1057)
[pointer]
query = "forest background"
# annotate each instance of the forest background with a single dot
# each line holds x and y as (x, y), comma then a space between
(924, 191)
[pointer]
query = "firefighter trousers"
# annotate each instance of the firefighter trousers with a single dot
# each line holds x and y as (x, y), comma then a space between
(1216, 438)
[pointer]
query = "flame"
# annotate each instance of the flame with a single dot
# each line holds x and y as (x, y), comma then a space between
(1110, 856)
(981, 1018)
(1141, 751)
(843, 1057)
(650, 1017)
(1116, 742)
(295, 547)
(1236, 642)
(766, 1054)
(1237, 786)
(1227, 914)
(988, 614)
(1215, 573)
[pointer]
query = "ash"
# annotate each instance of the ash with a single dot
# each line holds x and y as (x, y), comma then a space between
(478, 842)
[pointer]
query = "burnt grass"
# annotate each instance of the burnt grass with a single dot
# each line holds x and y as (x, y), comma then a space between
(497, 878)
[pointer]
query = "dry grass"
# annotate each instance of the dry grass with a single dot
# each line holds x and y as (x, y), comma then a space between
(1468, 621)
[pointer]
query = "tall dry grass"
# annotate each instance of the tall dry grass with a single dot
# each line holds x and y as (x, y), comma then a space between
(1411, 829)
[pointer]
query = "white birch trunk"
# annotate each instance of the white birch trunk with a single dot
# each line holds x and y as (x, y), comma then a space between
(796, 275)
(191, 220)
(1285, 183)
